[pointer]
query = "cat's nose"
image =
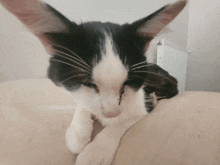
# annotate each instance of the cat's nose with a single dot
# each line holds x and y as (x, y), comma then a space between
(111, 114)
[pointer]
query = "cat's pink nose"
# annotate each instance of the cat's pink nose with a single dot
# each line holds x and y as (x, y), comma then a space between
(111, 114)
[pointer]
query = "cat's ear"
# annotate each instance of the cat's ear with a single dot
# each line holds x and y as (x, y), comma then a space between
(161, 82)
(150, 26)
(38, 17)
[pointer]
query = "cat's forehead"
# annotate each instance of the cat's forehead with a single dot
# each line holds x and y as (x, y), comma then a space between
(110, 70)
(101, 26)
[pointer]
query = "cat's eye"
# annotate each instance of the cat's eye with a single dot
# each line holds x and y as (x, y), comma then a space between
(92, 85)
(122, 91)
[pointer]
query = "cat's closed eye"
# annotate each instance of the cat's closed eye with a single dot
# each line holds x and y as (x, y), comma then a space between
(92, 85)
(122, 91)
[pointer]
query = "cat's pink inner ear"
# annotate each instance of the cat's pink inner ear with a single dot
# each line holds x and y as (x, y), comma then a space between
(158, 22)
(35, 15)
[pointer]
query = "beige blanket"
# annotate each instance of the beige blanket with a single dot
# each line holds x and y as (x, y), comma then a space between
(34, 115)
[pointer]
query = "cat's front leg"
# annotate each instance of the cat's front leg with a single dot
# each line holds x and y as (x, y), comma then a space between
(102, 149)
(78, 135)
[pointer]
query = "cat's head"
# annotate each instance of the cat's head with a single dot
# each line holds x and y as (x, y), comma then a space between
(104, 58)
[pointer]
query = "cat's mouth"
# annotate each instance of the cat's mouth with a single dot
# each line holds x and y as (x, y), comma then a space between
(111, 114)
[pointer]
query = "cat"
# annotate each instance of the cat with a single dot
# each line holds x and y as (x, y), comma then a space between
(104, 66)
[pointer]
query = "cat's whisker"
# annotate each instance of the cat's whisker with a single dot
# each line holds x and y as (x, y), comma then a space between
(148, 72)
(137, 67)
(143, 63)
(147, 84)
(85, 71)
(85, 81)
(149, 105)
(140, 66)
(148, 97)
(162, 97)
(62, 54)
(150, 84)
(78, 75)
(139, 77)
(148, 101)
(73, 53)
(75, 58)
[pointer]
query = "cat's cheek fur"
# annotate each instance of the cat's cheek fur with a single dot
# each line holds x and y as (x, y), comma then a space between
(87, 98)
(133, 101)
(97, 104)
(132, 104)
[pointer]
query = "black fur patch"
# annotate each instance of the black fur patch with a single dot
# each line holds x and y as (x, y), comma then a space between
(79, 49)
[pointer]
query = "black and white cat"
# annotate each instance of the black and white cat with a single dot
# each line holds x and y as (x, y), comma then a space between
(104, 66)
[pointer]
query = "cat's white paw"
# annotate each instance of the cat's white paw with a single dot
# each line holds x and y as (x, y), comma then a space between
(94, 154)
(74, 141)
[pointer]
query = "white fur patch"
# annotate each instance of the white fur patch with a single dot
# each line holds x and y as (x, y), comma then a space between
(109, 75)
(110, 71)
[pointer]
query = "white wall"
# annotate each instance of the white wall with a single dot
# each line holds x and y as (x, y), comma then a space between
(204, 41)
(22, 55)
